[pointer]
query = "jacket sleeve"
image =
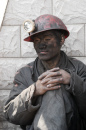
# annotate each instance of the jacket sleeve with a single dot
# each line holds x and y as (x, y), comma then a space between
(78, 88)
(21, 106)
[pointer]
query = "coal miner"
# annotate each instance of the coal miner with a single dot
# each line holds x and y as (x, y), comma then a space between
(50, 92)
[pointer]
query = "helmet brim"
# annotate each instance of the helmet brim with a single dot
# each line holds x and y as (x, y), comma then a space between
(65, 32)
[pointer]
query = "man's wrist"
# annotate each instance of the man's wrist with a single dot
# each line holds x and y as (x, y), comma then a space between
(35, 93)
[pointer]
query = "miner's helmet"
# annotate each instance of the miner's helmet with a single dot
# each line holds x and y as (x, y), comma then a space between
(44, 23)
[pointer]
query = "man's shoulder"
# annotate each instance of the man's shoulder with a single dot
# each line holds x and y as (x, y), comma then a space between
(27, 67)
(76, 62)
(73, 60)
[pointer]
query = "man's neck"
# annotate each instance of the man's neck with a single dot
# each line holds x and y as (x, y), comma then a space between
(52, 63)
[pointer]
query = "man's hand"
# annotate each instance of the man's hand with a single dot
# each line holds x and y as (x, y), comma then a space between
(51, 80)
(40, 88)
(55, 76)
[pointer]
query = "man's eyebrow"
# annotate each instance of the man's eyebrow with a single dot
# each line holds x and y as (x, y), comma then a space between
(48, 34)
(38, 36)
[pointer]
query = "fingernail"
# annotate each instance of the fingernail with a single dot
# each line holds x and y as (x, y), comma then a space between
(59, 86)
(41, 81)
(60, 78)
(39, 77)
(49, 85)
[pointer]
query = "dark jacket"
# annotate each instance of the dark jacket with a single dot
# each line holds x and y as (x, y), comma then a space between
(21, 106)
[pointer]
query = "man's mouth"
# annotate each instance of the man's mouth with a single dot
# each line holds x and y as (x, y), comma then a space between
(43, 52)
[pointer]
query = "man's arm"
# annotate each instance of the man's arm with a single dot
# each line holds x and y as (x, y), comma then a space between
(20, 108)
(23, 103)
(78, 88)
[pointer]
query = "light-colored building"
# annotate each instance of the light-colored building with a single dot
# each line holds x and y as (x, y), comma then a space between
(15, 53)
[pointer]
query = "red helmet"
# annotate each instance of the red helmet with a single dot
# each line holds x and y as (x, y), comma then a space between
(47, 22)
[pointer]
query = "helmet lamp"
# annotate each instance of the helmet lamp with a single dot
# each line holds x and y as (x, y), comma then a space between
(29, 26)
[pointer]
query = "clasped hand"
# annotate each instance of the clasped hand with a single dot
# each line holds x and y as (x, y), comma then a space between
(51, 80)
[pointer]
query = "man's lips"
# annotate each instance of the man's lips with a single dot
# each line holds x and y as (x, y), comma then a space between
(43, 52)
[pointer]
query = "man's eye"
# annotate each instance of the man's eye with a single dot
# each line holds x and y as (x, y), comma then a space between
(36, 40)
(47, 39)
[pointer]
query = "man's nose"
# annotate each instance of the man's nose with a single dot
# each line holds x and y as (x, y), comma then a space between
(42, 45)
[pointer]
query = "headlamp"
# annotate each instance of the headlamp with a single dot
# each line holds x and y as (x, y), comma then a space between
(29, 26)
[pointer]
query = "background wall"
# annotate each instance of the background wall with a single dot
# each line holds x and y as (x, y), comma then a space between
(15, 53)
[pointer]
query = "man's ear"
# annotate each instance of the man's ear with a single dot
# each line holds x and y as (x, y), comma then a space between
(62, 39)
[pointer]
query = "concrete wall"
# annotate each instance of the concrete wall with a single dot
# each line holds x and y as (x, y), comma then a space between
(15, 53)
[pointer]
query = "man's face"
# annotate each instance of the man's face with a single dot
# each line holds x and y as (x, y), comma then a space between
(47, 45)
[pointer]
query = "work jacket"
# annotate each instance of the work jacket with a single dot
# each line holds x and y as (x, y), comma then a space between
(22, 107)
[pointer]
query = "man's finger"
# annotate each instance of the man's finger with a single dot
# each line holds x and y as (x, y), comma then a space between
(48, 72)
(43, 75)
(53, 74)
(54, 69)
(51, 85)
(53, 88)
(52, 80)
(56, 81)
(45, 80)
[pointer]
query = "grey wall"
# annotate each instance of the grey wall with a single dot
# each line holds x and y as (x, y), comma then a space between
(15, 53)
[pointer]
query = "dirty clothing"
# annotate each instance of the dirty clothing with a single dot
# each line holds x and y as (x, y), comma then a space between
(27, 111)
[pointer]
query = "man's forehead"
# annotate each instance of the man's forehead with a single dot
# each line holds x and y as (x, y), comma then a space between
(45, 33)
